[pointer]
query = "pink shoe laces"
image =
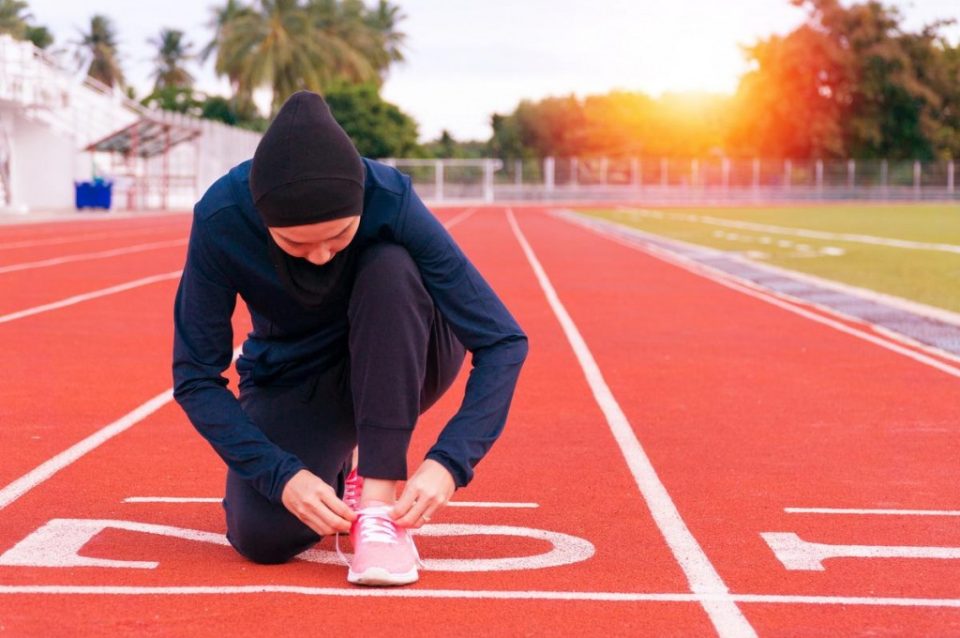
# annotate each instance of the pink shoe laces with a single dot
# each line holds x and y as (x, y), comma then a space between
(352, 489)
(375, 525)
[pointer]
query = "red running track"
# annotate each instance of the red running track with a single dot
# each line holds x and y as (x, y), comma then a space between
(742, 407)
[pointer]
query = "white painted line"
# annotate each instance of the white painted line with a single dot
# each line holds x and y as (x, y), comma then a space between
(533, 595)
(214, 499)
(32, 219)
(103, 254)
(172, 499)
(813, 234)
(923, 310)
(69, 301)
(703, 578)
(75, 238)
(797, 554)
(59, 542)
(869, 512)
(45, 470)
(459, 218)
(505, 505)
(781, 301)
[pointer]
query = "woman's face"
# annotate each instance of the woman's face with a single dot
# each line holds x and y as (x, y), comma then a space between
(317, 243)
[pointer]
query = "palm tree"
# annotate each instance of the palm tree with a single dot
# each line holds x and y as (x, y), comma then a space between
(100, 43)
(13, 18)
(278, 46)
(383, 22)
(222, 16)
(172, 54)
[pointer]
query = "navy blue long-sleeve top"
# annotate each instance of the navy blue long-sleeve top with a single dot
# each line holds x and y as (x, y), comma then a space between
(227, 256)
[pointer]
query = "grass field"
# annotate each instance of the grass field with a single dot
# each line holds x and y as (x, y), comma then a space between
(911, 251)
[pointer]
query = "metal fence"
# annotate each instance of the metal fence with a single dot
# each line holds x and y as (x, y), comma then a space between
(670, 179)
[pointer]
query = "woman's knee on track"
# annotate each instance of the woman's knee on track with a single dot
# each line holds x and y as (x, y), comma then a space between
(268, 543)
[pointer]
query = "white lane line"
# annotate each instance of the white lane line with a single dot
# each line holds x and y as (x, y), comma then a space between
(923, 310)
(504, 505)
(45, 470)
(915, 307)
(103, 292)
(103, 254)
(48, 468)
(208, 499)
(869, 512)
(69, 239)
(172, 499)
(48, 219)
(459, 218)
(703, 578)
(534, 595)
(811, 234)
(781, 301)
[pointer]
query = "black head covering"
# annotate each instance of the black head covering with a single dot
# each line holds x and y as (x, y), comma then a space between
(306, 170)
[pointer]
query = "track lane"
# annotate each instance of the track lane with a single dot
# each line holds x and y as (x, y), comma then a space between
(747, 409)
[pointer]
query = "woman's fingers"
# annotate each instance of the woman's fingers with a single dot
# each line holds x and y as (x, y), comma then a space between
(405, 502)
(422, 506)
(340, 511)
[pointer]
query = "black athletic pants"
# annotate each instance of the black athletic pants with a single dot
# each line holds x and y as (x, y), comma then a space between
(403, 357)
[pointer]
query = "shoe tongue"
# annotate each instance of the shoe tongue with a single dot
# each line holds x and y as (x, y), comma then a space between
(367, 504)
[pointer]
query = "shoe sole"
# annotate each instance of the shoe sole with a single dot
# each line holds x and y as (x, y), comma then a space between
(380, 576)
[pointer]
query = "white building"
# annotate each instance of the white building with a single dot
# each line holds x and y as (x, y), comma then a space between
(49, 116)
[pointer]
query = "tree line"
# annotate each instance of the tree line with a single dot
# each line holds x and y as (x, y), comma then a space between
(851, 81)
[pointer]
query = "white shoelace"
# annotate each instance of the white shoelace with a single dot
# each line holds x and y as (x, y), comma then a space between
(377, 526)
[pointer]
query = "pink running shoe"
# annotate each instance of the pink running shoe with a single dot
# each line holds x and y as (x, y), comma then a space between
(352, 489)
(383, 553)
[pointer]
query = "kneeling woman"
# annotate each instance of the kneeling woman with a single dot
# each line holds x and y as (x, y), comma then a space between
(363, 307)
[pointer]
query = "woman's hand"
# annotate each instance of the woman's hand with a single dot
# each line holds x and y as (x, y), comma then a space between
(315, 503)
(429, 489)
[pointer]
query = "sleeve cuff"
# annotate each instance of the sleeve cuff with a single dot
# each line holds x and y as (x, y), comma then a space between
(461, 478)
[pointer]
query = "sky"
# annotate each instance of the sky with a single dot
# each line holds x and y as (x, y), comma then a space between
(466, 59)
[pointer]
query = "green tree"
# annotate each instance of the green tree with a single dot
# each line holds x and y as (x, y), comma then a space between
(288, 45)
(506, 143)
(851, 81)
(14, 18)
(15, 21)
(223, 109)
(172, 55)
(100, 45)
(377, 128)
(448, 147)
(39, 35)
(180, 99)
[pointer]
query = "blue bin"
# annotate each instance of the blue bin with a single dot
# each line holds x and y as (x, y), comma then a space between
(95, 194)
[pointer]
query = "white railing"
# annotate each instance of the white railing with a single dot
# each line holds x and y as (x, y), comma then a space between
(671, 179)
(46, 92)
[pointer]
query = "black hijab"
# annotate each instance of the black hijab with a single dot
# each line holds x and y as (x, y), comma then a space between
(320, 288)
(306, 170)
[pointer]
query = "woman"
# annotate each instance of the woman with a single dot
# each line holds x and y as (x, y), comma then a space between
(362, 307)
